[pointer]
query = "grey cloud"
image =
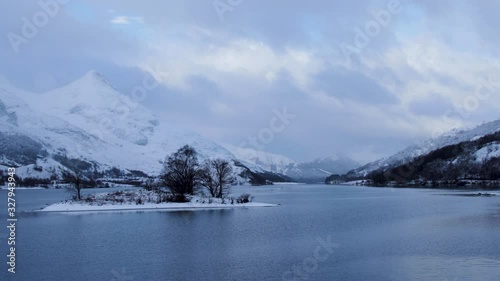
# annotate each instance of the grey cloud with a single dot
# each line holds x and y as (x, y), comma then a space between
(347, 84)
(434, 105)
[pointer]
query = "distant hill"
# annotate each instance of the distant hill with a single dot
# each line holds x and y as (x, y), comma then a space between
(456, 158)
(311, 172)
(411, 152)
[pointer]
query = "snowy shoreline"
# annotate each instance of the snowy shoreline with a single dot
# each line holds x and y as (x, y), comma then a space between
(22, 188)
(79, 207)
(130, 200)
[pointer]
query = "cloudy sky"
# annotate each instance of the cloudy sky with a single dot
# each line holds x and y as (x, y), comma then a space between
(362, 78)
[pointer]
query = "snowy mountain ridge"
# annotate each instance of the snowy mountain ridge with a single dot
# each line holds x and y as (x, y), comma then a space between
(312, 171)
(92, 104)
(411, 152)
(259, 159)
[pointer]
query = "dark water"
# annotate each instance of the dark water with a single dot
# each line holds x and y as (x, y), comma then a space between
(318, 233)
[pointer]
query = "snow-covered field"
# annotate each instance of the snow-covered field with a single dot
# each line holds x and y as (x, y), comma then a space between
(144, 200)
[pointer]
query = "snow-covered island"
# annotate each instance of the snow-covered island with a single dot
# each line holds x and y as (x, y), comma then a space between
(149, 200)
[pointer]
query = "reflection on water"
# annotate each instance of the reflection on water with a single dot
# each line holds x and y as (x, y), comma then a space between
(432, 268)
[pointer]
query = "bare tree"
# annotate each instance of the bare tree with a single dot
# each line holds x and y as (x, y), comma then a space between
(207, 178)
(217, 176)
(181, 171)
(150, 185)
(76, 179)
(224, 176)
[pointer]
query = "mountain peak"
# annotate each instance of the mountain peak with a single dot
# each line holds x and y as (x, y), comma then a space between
(92, 89)
(90, 102)
(95, 77)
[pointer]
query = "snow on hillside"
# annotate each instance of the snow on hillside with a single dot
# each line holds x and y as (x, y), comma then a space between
(320, 168)
(259, 159)
(317, 169)
(411, 152)
(52, 133)
(42, 169)
(92, 104)
(489, 151)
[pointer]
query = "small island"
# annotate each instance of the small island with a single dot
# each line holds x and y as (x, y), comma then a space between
(185, 184)
(150, 200)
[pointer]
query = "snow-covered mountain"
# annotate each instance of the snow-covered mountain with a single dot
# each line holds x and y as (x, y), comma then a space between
(92, 104)
(411, 152)
(319, 168)
(471, 162)
(260, 159)
(91, 126)
(313, 171)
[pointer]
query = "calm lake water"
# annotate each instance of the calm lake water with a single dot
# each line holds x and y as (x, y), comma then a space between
(318, 233)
